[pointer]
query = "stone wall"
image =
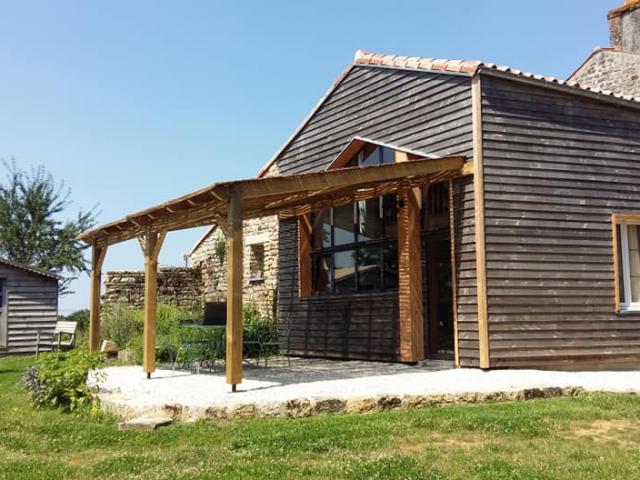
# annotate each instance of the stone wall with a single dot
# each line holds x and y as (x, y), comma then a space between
(611, 70)
(179, 286)
(260, 258)
(616, 68)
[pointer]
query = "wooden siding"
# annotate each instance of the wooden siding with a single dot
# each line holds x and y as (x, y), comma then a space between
(466, 294)
(32, 305)
(555, 167)
(416, 110)
(355, 327)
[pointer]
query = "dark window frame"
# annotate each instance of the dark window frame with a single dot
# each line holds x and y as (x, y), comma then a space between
(384, 243)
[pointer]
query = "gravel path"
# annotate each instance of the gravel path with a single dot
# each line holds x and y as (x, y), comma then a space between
(184, 396)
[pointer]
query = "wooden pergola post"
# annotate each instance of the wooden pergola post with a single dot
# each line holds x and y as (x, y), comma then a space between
(410, 271)
(97, 259)
(151, 244)
(234, 289)
(410, 277)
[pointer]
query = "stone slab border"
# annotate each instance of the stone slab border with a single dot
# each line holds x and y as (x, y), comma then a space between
(307, 407)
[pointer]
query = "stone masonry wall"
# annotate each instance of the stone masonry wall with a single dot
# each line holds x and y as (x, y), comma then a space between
(179, 286)
(260, 236)
(616, 68)
(260, 259)
(616, 71)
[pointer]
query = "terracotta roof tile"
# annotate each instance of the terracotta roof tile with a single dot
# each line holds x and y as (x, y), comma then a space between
(470, 67)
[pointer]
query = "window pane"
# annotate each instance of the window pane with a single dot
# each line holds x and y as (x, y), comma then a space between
(321, 233)
(343, 223)
(321, 273)
(344, 271)
(370, 155)
(369, 269)
(390, 216)
(620, 272)
(634, 261)
(369, 221)
(390, 265)
(388, 155)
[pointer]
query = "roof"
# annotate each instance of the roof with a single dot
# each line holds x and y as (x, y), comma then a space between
(453, 67)
(629, 6)
(287, 196)
(354, 145)
(37, 271)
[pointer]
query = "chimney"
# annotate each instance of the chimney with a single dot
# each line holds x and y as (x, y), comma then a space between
(624, 27)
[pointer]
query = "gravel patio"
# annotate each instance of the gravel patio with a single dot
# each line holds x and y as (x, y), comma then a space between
(309, 387)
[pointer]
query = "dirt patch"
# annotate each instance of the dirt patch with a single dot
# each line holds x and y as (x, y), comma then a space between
(620, 431)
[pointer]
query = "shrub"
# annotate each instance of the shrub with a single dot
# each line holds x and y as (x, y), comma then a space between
(60, 380)
(121, 323)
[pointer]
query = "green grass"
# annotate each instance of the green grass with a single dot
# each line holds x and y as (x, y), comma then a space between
(590, 437)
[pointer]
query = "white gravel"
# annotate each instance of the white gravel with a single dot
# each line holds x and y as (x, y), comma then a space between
(126, 392)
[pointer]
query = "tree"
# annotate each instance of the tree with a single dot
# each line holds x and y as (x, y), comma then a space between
(32, 231)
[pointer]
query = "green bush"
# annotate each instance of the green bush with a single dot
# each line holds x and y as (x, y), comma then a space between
(125, 326)
(60, 379)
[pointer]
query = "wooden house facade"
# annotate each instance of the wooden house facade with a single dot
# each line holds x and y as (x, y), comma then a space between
(28, 305)
(521, 262)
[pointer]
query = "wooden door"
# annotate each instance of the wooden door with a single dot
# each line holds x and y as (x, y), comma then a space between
(438, 301)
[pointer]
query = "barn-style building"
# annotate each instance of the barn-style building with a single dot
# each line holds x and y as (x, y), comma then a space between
(431, 208)
(28, 305)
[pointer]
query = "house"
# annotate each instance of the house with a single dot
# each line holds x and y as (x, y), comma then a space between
(28, 304)
(430, 208)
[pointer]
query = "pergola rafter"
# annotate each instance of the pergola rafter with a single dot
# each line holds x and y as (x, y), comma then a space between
(227, 204)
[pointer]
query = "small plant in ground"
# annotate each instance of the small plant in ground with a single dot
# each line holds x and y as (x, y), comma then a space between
(220, 248)
(60, 380)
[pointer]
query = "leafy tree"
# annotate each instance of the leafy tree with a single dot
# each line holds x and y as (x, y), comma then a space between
(31, 228)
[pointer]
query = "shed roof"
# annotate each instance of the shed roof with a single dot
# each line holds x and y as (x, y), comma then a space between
(37, 271)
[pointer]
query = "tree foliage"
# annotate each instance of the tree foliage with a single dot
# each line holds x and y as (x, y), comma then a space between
(33, 228)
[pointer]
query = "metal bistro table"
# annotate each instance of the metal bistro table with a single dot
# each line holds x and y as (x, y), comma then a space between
(203, 351)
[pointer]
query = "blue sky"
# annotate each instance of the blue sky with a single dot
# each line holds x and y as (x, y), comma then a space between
(136, 102)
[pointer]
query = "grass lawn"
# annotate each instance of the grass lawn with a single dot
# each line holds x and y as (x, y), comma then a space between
(574, 438)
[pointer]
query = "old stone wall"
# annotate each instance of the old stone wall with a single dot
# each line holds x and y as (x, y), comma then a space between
(179, 286)
(611, 70)
(616, 68)
(260, 258)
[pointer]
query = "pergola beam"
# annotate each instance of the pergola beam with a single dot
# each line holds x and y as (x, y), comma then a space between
(199, 208)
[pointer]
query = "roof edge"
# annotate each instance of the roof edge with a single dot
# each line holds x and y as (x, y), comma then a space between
(29, 268)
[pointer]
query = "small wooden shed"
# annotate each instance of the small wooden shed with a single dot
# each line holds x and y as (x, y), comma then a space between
(28, 304)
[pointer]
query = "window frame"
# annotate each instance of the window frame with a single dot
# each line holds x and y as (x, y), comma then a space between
(621, 266)
(383, 243)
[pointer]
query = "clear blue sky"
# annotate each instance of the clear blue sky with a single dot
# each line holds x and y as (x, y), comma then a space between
(136, 102)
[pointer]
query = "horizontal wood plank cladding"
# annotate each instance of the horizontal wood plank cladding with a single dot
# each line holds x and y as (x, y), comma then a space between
(555, 167)
(32, 306)
(418, 110)
(466, 296)
(351, 327)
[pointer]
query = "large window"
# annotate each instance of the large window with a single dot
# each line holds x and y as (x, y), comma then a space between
(354, 247)
(628, 267)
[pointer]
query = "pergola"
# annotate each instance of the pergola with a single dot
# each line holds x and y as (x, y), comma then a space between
(227, 204)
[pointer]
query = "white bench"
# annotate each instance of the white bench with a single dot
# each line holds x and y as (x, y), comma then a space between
(63, 338)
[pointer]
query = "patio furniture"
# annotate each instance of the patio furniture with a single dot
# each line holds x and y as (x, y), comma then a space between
(63, 337)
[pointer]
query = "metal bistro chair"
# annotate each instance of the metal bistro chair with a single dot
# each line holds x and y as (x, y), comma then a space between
(202, 351)
(63, 337)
